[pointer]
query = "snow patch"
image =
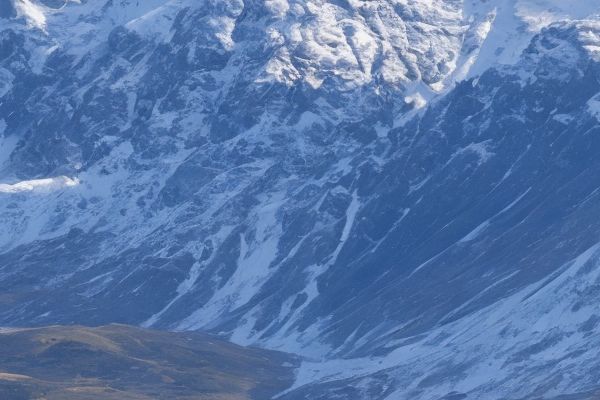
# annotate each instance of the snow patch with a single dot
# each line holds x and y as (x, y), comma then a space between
(257, 253)
(593, 107)
(39, 185)
(475, 232)
(278, 8)
(32, 12)
(417, 100)
(564, 119)
(540, 13)
(511, 327)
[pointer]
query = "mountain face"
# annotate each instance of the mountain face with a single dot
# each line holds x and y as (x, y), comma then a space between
(403, 193)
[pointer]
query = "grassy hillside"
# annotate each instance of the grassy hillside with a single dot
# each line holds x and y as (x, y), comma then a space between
(122, 362)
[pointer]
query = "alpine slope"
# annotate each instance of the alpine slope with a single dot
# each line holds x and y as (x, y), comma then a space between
(403, 193)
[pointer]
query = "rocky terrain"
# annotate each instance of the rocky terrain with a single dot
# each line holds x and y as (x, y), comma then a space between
(403, 194)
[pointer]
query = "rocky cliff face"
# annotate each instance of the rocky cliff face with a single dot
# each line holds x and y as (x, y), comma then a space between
(404, 191)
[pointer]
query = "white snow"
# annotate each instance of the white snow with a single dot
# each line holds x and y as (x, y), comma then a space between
(318, 270)
(475, 232)
(256, 257)
(506, 36)
(417, 100)
(277, 8)
(514, 202)
(156, 18)
(593, 107)
(257, 252)
(480, 149)
(32, 12)
(507, 26)
(503, 329)
(564, 119)
(541, 13)
(351, 212)
(39, 185)
(353, 42)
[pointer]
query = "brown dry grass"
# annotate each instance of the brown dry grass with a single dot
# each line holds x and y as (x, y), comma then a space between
(127, 363)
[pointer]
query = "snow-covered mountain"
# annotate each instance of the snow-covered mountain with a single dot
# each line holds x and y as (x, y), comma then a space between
(402, 192)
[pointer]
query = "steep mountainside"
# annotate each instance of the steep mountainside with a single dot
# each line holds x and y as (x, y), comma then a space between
(403, 192)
